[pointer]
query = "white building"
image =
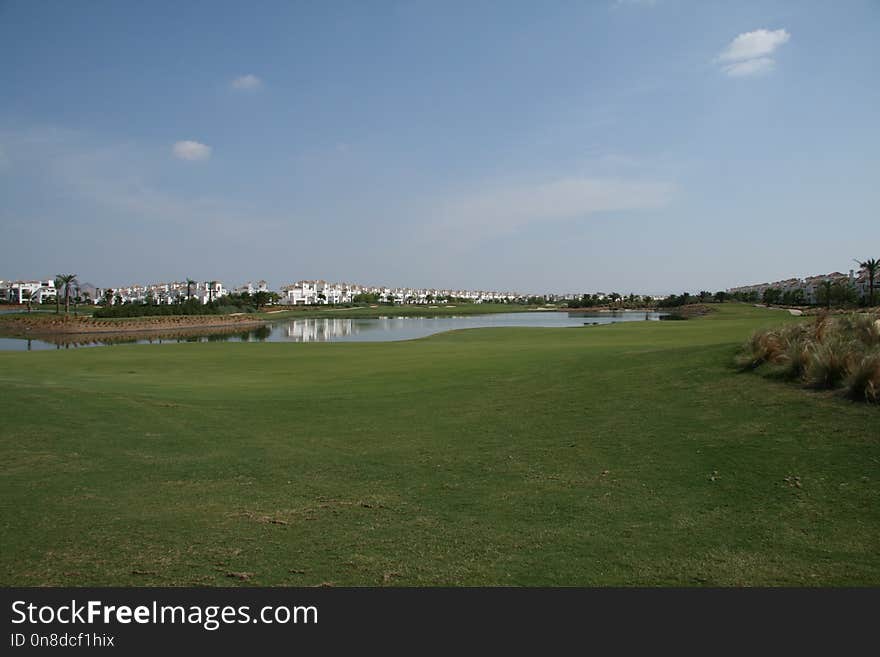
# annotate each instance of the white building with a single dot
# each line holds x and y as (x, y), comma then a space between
(37, 291)
(301, 293)
(252, 288)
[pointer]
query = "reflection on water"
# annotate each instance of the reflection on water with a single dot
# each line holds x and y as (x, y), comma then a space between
(325, 329)
(318, 330)
(407, 328)
(73, 341)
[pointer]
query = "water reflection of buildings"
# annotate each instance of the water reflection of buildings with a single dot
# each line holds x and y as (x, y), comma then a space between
(319, 330)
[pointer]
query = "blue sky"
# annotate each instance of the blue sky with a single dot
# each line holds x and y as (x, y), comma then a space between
(554, 146)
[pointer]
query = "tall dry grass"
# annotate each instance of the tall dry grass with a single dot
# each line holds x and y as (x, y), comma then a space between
(831, 352)
(863, 380)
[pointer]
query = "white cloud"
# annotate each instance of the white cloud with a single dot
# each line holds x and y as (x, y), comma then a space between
(247, 82)
(749, 53)
(191, 150)
(750, 67)
(750, 45)
(505, 209)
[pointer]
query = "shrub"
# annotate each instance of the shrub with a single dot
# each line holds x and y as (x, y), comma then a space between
(828, 363)
(821, 327)
(863, 381)
(792, 362)
(830, 352)
(761, 348)
(863, 327)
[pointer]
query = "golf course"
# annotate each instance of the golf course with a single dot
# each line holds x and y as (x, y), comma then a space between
(630, 454)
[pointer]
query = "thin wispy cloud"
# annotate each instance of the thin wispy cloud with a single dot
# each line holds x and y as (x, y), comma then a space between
(749, 53)
(506, 209)
(247, 82)
(191, 150)
(635, 3)
(120, 179)
(749, 67)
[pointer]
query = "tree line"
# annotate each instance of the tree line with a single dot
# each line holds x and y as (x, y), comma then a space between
(230, 303)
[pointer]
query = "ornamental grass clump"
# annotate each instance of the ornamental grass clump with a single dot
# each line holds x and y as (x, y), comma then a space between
(863, 327)
(762, 347)
(792, 362)
(829, 362)
(829, 353)
(863, 381)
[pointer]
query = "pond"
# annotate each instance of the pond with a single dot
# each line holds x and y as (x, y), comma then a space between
(338, 329)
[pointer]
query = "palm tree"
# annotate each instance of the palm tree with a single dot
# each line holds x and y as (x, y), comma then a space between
(58, 284)
(67, 280)
(189, 283)
(76, 299)
(872, 266)
(826, 292)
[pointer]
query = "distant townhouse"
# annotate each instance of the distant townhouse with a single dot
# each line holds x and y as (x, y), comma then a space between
(810, 286)
(301, 293)
(37, 291)
(252, 288)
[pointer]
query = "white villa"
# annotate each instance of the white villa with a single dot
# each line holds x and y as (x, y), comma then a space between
(20, 292)
(303, 293)
(252, 288)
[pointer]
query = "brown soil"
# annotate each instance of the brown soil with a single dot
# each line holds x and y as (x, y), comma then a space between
(60, 324)
(123, 337)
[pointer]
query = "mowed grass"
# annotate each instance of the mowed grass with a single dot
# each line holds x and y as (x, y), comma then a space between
(629, 454)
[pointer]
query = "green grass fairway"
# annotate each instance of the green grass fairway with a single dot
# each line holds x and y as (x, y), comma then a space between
(628, 454)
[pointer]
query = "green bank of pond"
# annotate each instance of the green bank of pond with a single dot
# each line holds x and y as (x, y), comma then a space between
(386, 328)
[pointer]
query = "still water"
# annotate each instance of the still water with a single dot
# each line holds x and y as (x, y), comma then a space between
(325, 329)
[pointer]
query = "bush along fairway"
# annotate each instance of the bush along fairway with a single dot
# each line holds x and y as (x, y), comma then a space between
(831, 352)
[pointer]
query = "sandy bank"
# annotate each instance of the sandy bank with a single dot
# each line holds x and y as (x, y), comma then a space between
(61, 325)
